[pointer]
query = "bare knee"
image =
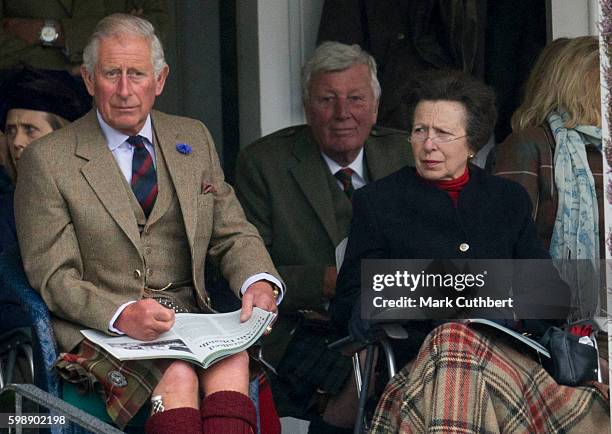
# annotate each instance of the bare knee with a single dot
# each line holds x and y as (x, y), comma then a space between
(238, 361)
(231, 373)
(179, 378)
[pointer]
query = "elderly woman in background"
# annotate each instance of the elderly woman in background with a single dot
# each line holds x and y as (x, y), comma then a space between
(554, 151)
(446, 208)
(33, 103)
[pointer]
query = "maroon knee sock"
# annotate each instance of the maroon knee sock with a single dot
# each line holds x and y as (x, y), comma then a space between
(182, 420)
(228, 412)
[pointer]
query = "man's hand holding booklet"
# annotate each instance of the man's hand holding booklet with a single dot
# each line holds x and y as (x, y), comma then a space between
(201, 339)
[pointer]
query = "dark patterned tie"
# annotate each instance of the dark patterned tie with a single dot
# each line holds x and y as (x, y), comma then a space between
(144, 178)
(345, 177)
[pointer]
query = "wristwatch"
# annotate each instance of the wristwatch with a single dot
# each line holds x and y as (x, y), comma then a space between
(49, 33)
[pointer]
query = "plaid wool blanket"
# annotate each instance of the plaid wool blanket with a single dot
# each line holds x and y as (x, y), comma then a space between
(465, 381)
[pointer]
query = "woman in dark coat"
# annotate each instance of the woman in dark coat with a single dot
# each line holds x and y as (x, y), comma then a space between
(445, 208)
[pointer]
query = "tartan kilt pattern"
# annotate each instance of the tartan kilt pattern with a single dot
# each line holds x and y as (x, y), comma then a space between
(90, 369)
(463, 382)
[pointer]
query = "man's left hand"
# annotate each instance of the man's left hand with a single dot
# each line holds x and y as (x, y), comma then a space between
(260, 294)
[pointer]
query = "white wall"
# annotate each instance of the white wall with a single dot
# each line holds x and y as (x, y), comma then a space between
(274, 39)
(571, 18)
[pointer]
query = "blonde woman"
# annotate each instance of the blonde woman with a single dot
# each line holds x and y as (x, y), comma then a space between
(554, 151)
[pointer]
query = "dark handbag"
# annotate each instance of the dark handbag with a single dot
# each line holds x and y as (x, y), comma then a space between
(572, 363)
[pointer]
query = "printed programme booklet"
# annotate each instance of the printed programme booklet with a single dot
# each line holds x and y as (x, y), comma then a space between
(201, 339)
(535, 345)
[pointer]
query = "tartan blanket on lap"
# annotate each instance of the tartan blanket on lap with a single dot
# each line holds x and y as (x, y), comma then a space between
(465, 381)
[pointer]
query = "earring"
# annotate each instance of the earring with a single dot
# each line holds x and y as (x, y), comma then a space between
(470, 156)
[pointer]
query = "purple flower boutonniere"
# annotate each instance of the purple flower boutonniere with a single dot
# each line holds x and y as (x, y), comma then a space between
(183, 148)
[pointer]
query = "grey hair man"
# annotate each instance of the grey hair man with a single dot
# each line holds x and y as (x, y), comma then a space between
(333, 56)
(116, 215)
(295, 187)
(112, 27)
(340, 92)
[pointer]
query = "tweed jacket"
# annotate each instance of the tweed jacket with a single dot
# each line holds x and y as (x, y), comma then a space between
(282, 182)
(77, 18)
(404, 217)
(527, 157)
(79, 236)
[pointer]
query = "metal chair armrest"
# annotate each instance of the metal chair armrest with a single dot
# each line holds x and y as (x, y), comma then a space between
(58, 407)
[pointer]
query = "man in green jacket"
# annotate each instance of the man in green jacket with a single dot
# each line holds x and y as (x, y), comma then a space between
(295, 187)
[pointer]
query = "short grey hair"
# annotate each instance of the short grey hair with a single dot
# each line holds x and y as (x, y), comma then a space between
(124, 25)
(335, 56)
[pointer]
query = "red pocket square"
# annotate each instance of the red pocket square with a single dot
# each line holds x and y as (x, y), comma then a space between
(207, 187)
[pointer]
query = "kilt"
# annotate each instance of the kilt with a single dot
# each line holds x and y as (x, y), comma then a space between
(124, 386)
(465, 381)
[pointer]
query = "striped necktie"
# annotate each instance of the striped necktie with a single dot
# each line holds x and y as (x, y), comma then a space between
(345, 177)
(144, 178)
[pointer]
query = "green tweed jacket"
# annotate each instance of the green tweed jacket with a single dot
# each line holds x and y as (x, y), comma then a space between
(282, 183)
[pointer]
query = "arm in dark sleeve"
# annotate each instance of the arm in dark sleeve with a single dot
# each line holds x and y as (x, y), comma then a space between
(464, 22)
(12, 48)
(78, 29)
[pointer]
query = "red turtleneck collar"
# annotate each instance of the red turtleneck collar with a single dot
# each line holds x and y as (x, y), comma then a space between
(453, 186)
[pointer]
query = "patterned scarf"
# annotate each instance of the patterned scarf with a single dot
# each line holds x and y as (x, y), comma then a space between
(576, 230)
